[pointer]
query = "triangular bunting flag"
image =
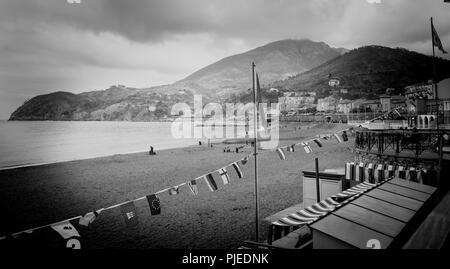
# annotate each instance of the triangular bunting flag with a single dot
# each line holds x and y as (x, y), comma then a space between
(66, 230)
(281, 153)
(244, 160)
(224, 175)
(174, 191)
(238, 170)
(154, 204)
(211, 183)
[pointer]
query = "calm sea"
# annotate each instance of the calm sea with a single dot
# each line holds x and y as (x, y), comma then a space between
(40, 142)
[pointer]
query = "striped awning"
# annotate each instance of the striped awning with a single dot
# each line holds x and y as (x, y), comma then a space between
(322, 208)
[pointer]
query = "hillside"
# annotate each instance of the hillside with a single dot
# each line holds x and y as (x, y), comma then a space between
(368, 70)
(277, 60)
(117, 103)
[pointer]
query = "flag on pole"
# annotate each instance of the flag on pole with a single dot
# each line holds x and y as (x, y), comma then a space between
(193, 186)
(211, 183)
(244, 160)
(66, 230)
(337, 138)
(224, 175)
(129, 214)
(238, 170)
(154, 204)
(260, 108)
(281, 153)
(318, 142)
(89, 217)
(436, 40)
(306, 147)
(174, 190)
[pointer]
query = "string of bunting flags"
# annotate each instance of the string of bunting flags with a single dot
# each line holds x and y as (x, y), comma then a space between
(128, 209)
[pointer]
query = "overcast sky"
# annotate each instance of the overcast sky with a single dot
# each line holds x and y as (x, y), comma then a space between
(51, 45)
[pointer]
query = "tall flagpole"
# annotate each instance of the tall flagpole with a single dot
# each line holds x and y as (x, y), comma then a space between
(437, 110)
(255, 140)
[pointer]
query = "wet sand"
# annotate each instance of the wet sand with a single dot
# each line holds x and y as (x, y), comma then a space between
(39, 195)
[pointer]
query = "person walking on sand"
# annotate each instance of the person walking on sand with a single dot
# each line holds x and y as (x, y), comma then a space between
(152, 151)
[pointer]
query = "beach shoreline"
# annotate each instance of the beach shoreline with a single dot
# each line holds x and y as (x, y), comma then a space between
(221, 219)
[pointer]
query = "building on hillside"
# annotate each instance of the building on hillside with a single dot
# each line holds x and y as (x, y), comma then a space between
(327, 104)
(345, 106)
(334, 82)
(423, 106)
(343, 91)
(294, 103)
(372, 105)
(390, 102)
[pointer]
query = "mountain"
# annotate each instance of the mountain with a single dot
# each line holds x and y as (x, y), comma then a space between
(368, 70)
(275, 61)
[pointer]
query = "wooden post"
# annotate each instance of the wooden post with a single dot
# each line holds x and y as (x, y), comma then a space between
(317, 180)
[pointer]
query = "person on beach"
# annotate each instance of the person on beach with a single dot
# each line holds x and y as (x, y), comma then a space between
(152, 151)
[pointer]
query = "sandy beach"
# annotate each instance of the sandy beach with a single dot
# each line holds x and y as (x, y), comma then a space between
(39, 195)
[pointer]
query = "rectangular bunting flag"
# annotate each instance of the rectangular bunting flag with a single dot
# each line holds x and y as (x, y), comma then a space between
(238, 170)
(129, 214)
(318, 142)
(306, 147)
(224, 175)
(193, 186)
(281, 154)
(211, 183)
(337, 138)
(289, 149)
(154, 204)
